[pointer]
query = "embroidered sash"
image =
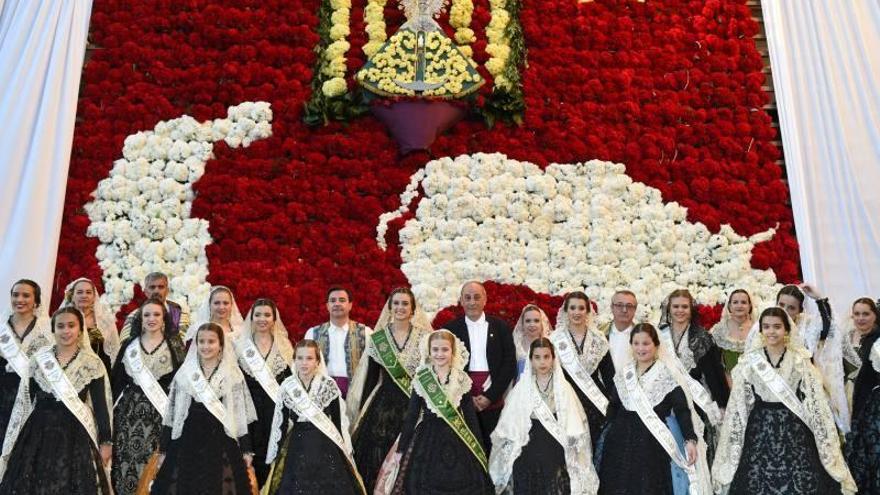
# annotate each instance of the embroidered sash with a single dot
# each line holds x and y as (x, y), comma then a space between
(548, 420)
(65, 392)
(697, 391)
(388, 360)
(134, 362)
(451, 415)
(251, 355)
(778, 386)
(568, 357)
(656, 426)
(206, 395)
(12, 352)
(303, 405)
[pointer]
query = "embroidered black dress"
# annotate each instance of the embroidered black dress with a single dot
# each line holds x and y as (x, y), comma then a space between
(434, 459)
(863, 445)
(53, 453)
(9, 379)
(261, 428)
(540, 468)
(136, 422)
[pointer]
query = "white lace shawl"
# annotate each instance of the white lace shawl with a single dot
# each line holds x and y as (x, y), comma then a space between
(874, 356)
(512, 432)
(81, 371)
(800, 374)
(229, 386)
(105, 319)
(280, 355)
(39, 336)
(203, 315)
(522, 350)
(459, 382)
(657, 383)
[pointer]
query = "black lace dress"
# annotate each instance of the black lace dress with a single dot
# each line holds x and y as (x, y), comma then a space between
(136, 422)
(9, 379)
(311, 462)
(604, 373)
(434, 459)
(380, 424)
(540, 468)
(633, 461)
(863, 443)
(779, 455)
(53, 453)
(261, 428)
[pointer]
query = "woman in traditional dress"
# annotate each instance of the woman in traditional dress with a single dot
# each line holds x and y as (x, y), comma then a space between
(862, 323)
(699, 359)
(264, 354)
(778, 434)
(440, 450)
(100, 320)
(731, 332)
(23, 330)
(205, 447)
(542, 445)
(58, 440)
(639, 445)
(380, 391)
(583, 354)
(140, 379)
(863, 443)
(820, 335)
(219, 308)
(313, 454)
(531, 325)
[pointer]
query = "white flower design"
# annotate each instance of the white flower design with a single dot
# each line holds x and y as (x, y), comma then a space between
(584, 225)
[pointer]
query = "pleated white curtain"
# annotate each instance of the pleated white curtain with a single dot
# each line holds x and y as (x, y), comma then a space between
(826, 71)
(42, 45)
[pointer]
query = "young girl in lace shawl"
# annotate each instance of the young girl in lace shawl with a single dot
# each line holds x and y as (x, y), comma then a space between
(264, 353)
(639, 444)
(205, 447)
(441, 449)
(778, 434)
(531, 325)
(309, 445)
(58, 440)
(542, 444)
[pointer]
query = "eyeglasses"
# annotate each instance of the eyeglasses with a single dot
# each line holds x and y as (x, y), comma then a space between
(624, 307)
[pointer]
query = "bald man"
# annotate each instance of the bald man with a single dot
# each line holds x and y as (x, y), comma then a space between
(492, 364)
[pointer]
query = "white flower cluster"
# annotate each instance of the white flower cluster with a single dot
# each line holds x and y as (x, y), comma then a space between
(141, 212)
(572, 226)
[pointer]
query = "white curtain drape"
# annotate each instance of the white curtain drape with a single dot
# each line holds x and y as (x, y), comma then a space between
(42, 46)
(825, 56)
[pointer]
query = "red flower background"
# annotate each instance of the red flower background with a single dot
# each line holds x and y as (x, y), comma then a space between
(671, 88)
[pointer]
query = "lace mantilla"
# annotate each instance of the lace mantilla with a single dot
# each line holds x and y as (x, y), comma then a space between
(797, 371)
(84, 368)
(323, 391)
(723, 339)
(595, 349)
(230, 390)
(160, 362)
(657, 383)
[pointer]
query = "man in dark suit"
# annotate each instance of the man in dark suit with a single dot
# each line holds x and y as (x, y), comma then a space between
(492, 363)
(156, 285)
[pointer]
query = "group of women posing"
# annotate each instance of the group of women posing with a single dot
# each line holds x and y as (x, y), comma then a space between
(243, 410)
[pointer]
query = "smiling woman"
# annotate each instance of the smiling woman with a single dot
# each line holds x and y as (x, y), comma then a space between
(59, 435)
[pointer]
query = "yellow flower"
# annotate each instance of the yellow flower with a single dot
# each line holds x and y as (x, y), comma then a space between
(465, 35)
(339, 32)
(494, 66)
(340, 4)
(466, 51)
(340, 17)
(334, 87)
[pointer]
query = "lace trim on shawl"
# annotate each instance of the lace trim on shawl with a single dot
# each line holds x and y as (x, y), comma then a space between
(459, 384)
(324, 390)
(232, 392)
(595, 349)
(81, 371)
(657, 383)
(797, 371)
(875, 356)
(723, 339)
(160, 362)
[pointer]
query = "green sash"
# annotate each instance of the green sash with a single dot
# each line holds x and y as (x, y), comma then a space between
(390, 362)
(451, 415)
